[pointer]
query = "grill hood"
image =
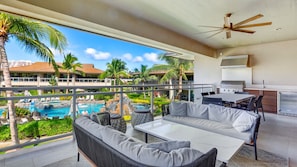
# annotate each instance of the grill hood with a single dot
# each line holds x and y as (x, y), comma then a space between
(238, 61)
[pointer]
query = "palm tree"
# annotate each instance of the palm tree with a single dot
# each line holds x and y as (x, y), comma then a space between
(70, 64)
(143, 75)
(29, 34)
(116, 69)
(53, 82)
(175, 69)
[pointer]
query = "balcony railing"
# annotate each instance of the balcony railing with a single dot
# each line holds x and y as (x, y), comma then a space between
(191, 92)
(35, 79)
(44, 81)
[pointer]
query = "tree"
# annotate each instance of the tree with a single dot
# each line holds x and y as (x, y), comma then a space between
(143, 75)
(175, 69)
(70, 64)
(53, 82)
(115, 70)
(29, 34)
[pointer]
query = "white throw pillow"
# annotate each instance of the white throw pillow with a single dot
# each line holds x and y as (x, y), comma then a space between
(244, 122)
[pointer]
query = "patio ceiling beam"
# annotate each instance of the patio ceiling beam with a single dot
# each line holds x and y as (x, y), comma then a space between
(100, 18)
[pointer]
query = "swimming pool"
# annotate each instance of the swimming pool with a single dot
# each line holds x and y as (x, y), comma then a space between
(61, 112)
(140, 106)
(1, 111)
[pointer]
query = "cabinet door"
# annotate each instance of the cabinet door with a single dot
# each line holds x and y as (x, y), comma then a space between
(269, 100)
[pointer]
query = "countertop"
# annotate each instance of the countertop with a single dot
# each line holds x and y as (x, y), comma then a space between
(271, 88)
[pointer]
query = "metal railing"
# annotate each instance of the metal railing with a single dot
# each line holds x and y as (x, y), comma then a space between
(45, 79)
(191, 92)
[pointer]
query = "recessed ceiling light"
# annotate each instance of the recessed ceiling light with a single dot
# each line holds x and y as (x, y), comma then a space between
(278, 29)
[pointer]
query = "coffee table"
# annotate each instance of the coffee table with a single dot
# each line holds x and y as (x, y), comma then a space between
(201, 140)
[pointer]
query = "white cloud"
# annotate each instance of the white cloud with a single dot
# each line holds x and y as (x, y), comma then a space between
(153, 57)
(101, 55)
(138, 59)
(55, 51)
(90, 51)
(98, 55)
(127, 56)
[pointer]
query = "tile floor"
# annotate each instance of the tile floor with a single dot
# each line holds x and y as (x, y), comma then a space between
(277, 134)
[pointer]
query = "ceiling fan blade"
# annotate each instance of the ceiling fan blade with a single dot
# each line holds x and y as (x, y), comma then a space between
(215, 34)
(228, 34)
(254, 25)
(248, 20)
(209, 31)
(209, 26)
(244, 31)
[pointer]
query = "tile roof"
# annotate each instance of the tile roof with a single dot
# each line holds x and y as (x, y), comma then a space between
(45, 67)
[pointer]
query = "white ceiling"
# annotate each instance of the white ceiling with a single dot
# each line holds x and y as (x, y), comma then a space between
(188, 16)
(174, 25)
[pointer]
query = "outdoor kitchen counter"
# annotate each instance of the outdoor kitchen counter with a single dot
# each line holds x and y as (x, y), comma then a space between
(269, 100)
(272, 88)
(277, 99)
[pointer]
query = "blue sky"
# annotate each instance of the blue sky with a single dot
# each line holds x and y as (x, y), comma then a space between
(93, 49)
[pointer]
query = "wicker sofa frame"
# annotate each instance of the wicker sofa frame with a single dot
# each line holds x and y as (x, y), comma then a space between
(99, 153)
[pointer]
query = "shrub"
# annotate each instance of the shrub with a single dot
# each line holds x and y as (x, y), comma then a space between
(38, 128)
(21, 112)
(134, 95)
(65, 97)
(3, 102)
(105, 97)
(33, 92)
(145, 101)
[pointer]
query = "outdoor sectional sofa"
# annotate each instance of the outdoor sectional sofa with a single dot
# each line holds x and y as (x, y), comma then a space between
(105, 146)
(227, 121)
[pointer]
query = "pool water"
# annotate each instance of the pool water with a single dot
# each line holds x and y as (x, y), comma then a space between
(1, 110)
(90, 108)
(140, 106)
(61, 112)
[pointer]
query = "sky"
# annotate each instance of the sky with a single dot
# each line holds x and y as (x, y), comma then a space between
(92, 49)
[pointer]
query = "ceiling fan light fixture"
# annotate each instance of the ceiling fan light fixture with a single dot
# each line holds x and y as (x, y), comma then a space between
(228, 26)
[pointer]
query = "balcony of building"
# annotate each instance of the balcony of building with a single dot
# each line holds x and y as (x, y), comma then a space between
(276, 135)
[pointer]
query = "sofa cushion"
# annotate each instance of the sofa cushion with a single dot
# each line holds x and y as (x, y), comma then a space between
(168, 146)
(197, 110)
(90, 126)
(212, 126)
(223, 114)
(244, 122)
(178, 108)
(148, 156)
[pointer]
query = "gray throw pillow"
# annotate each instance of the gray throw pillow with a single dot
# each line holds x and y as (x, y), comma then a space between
(197, 110)
(223, 114)
(168, 146)
(178, 108)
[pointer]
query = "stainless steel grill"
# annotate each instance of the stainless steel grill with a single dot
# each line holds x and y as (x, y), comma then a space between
(231, 86)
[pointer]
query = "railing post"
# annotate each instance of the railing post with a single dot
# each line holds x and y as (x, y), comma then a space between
(189, 91)
(74, 104)
(121, 101)
(152, 99)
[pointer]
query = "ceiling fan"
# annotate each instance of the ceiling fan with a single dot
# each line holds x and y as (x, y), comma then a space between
(239, 27)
